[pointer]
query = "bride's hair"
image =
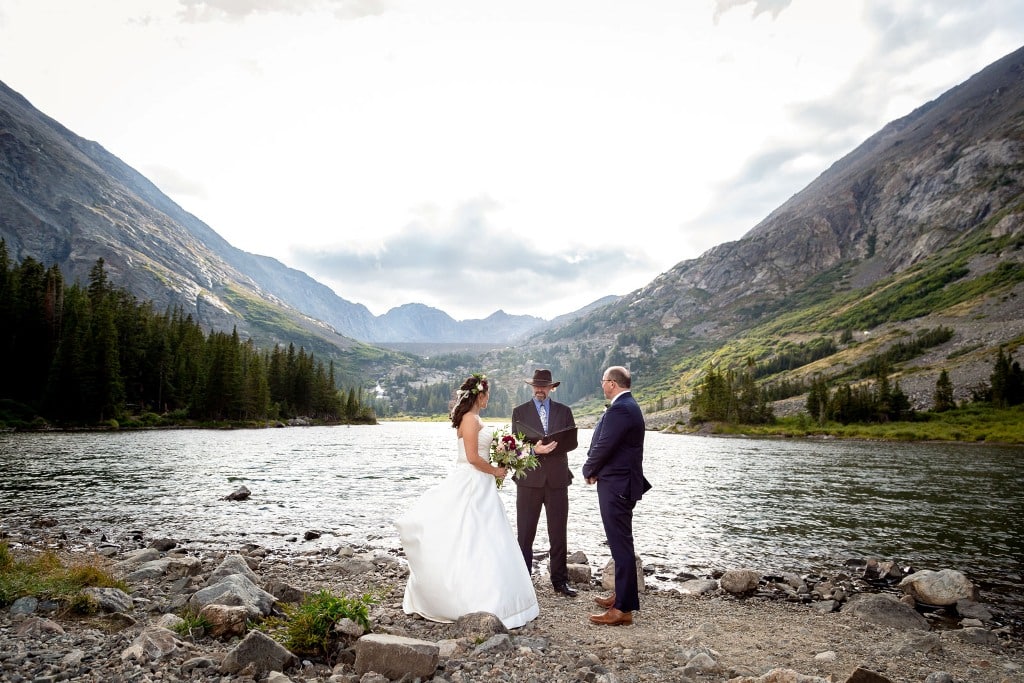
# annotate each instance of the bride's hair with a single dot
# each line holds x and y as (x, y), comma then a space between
(474, 385)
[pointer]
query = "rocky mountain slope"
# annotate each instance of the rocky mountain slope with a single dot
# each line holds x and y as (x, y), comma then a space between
(65, 200)
(921, 226)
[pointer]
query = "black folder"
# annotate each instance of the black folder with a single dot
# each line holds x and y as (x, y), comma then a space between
(561, 436)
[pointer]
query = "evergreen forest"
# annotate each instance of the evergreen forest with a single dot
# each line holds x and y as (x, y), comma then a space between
(96, 356)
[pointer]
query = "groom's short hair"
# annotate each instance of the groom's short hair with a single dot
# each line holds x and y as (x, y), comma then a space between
(619, 375)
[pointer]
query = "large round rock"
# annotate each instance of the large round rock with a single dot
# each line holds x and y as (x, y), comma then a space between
(943, 587)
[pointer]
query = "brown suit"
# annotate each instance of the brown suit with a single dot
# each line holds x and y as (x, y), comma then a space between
(546, 486)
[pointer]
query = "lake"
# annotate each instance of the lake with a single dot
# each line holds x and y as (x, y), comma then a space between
(773, 505)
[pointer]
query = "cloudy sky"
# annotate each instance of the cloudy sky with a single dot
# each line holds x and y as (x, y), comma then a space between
(476, 155)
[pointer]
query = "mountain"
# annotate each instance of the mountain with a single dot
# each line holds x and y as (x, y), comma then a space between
(917, 234)
(67, 201)
(920, 227)
(419, 323)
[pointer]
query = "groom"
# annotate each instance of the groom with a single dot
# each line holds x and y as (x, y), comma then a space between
(615, 463)
(542, 420)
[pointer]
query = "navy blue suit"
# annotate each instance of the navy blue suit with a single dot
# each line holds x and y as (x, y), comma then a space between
(616, 458)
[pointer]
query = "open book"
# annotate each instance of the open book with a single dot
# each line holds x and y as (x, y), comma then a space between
(563, 436)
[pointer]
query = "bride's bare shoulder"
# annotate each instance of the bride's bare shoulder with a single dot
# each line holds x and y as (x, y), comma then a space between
(471, 424)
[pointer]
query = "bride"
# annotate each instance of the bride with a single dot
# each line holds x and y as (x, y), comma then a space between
(462, 554)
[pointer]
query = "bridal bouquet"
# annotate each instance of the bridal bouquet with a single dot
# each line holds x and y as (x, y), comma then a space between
(511, 451)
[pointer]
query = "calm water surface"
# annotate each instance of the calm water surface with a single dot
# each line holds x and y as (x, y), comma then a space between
(773, 505)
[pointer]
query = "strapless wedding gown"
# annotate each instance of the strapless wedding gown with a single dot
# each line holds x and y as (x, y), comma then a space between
(462, 554)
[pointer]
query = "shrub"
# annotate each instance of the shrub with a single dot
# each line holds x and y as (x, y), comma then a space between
(83, 603)
(193, 624)
(311, 622)
(150, 419)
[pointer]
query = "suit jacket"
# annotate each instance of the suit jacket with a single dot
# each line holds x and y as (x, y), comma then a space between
(616, 454)
(553, 469)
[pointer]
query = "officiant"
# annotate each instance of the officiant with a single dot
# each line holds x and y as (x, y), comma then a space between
(544, 420)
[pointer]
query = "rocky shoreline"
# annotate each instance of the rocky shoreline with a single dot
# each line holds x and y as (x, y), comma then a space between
(743, 627)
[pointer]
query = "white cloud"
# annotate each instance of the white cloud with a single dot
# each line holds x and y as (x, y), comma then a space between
(523, 156)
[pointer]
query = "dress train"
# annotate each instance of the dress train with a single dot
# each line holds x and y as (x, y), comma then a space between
(463, 556)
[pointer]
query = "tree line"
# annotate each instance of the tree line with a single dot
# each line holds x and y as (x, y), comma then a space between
(731, 396)
(81, 356)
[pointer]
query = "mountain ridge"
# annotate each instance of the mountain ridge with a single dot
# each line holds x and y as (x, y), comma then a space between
(941, 189)
(38, 152)
(920, 226)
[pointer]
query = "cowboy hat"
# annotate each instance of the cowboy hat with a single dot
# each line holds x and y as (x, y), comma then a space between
(542, 378)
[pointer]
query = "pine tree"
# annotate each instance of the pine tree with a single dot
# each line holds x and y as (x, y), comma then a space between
(82, 355)
(1000, 380)
(351, 405)
(6, 318)
(107, 387)
(899, 405)
(944, 393)
(65, 397)
(31, 347)
(1015, 385)
(818, 399)
(1007, 381)
(883, 402)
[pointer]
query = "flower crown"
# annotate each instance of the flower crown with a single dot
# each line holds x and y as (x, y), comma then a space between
(481, 385)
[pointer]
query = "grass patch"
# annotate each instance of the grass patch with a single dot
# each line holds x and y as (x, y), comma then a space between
(46, 577)
(308, 627)
(974, 422)
(192, 624)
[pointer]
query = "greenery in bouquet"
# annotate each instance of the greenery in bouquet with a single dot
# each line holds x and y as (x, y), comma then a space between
(511, 451)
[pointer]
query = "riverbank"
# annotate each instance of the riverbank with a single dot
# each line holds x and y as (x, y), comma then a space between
(678, 636)
(969, 424)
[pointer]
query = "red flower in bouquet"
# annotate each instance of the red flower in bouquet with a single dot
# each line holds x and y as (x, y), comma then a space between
(511, 451)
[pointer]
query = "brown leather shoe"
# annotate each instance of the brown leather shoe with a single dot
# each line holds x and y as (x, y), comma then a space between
(612, 617)
(606, 602)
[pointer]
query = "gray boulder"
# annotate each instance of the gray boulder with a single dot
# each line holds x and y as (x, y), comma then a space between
(137, 557)
(395, 656)
(241, 493)
(944, 587)
(976, 635)
(886, 610)
(110, 599)
(608, 575)
(478, 626)
(969, 609)
(262, 652)
(698, 586)
(238, 591)
(153, 643)
(37, 626)
(178, 565)
(232, 564)
(24, 605)
(580, 573)
(739, 581)
(225, 621)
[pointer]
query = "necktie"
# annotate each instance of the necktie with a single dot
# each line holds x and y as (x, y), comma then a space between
(544, 418)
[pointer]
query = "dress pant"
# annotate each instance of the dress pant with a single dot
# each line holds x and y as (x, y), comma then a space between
(555, 502)
(617, 517)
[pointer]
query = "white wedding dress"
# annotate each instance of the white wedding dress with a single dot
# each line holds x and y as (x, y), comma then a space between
(462, 554)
